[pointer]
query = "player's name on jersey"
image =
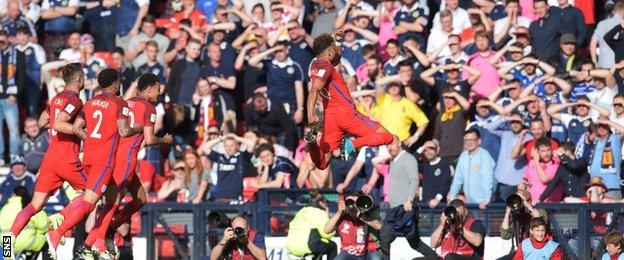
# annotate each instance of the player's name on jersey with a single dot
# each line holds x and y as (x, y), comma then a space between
(100, 103)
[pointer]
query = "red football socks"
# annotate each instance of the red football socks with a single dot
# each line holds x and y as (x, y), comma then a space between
(22, 219)
(125, 214)
(101, 224)
(373, 140)
(317, 156)
(79, 211)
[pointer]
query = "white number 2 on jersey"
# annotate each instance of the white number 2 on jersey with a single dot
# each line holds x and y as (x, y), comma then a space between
(97, 115)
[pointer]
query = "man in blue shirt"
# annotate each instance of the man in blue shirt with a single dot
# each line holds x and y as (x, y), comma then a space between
(33, 144)
(220, 75)
(34, 57)
(232, 165)
(128, 15)
(300, 47)
(545, 31)
(284, 79)
(183, 76)
(15, 20)
(606, 161)
(18, 176)
(410, 21)
(474, 173)
(152, 65)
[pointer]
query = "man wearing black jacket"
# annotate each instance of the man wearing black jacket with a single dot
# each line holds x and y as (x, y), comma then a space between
(12, 81)
(183, 76)
(271, 119)
(615, 40)
(572, 173)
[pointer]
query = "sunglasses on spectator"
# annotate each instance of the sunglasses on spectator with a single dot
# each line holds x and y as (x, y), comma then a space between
(453, 44)
(178, 169)
(579, 106)
(618, 105)
(213, 133)
(515, 122)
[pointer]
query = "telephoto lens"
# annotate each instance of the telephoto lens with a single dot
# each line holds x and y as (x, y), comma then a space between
(239, 232)
(514, 202)
(349, 203)
(452, 216)
(364, 203)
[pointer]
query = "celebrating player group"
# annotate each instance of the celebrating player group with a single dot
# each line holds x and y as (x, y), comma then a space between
(113, 131)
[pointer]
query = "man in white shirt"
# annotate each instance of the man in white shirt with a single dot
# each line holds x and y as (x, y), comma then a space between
(461, 19)
(506, 26)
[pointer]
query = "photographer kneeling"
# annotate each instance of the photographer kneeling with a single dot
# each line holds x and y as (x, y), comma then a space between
(517, 218)
(358, 227)
(239, 242)
(459, 235)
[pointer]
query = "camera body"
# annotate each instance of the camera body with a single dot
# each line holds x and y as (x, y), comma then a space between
(240, 233)
(452, 216)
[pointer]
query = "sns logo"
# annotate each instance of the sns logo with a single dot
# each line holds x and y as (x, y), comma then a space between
(6, 246)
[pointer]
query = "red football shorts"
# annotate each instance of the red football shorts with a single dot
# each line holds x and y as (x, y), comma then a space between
(146, 171)
(124, 171)
(337, 123)
(99, 178)
(53, 174)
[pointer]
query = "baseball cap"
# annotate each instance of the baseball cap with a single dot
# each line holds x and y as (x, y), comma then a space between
(86, 39)
(567, 38)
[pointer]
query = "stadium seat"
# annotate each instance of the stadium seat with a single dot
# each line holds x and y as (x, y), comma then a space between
(249, 188)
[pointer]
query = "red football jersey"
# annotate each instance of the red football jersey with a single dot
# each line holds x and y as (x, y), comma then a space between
(352, 238)
(63, 147)
(142, 112)
(339, 95)
(101, 114)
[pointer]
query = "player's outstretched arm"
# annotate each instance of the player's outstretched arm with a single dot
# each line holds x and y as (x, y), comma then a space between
(124, 129)
(44, 120)
(78, 129)
(152, 139)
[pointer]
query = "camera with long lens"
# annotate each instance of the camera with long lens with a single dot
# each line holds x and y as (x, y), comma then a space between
(514, 203)
(363, 203)
(219, 220)
(240, 233)
(452, 216)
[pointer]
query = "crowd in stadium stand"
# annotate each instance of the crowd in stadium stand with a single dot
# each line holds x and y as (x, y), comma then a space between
(488, 98)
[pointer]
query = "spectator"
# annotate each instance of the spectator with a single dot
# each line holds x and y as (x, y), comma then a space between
(528, 71)
(178, 184)
(34, 57)
(486, 113)
(72, 53)
(274, 171)
(566, 60)
(15, 20)
(18, 176)
(516, 222)
(198, 20)
(209, 110)
(129, 15)
(577, 124)
(524, 147)
(456, 52)
(402, 195)
(284, 79)
(394, 57)
(613, 242)
(539, 244)
(355, 39)
(480, 61)
(436, 46)
(573, 19)
(364, 174)
(396, 113)
(358, 230)
(461, 19)
(125, 70)
(614, 40)
(60, 21)
(152, 65)
(385, 21)
(541, 170)
(436, 174)
(252, 78)
(465, 237)
(197, 177)
(450, 124)
(453, 80)
(92, 64)
(607, 157)
(32, 238)
(135, 50)
(571, 174)
(183, 75)
(306, 234)
(617, 114)
(33, 145)
(100, 22)
(324, 22)
(300, 46)
(233, 246)
(31, 10)
(221, 77)
(506, 26)
(410, 21)
(232, 165)
(545, 31)
(12, 81)
(474, 172)
(271, 119)
(606, 57)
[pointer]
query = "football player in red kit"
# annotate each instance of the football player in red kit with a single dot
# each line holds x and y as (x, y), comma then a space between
(60, 162)
(339, 114)
(105, 117)
(141, 113)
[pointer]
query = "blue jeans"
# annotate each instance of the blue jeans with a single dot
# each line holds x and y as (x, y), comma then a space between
(503, 191)
(10, 113)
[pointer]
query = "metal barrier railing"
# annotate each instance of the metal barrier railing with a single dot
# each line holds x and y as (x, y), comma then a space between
(568, 221)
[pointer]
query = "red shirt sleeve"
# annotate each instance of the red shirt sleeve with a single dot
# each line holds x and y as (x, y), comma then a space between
(149, 114)
(73, 107)
(122, 109)
(321, 71)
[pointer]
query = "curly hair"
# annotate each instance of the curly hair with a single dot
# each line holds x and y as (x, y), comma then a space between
(321, 43)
